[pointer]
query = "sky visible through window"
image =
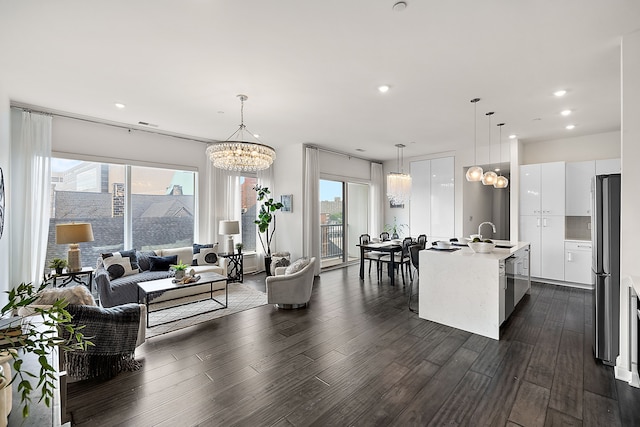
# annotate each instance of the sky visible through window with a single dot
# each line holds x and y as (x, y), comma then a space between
(329, 190)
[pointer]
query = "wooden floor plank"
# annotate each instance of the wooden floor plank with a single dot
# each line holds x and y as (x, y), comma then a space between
(358, 356)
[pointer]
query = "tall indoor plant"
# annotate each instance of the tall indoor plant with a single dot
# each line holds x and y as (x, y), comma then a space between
(266, 216)
(38, 335)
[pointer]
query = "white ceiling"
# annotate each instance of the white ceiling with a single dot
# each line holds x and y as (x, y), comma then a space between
(311, 68)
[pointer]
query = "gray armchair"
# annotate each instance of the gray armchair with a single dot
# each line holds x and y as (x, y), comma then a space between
(291, 290)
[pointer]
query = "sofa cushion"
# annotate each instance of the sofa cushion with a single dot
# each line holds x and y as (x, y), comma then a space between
(162, 263)
(297, 266)
(205, 254)
(143, 260)
(120, 264)
(185, 254)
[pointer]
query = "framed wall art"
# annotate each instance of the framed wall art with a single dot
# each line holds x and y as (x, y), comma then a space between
(287, 202)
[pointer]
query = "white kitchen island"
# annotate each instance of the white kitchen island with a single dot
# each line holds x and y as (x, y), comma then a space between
(470, 291)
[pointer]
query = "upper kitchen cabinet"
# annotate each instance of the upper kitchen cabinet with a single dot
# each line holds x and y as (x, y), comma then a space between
(578, 187)
(607, 166)
(542, 189)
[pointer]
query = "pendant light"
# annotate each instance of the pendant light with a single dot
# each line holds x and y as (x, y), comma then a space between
(489, 177)
(238, 155)
(399, 183)
(474, 173)
(501, 181)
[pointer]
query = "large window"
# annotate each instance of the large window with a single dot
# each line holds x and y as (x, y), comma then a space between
(161, 208)
(248, 212)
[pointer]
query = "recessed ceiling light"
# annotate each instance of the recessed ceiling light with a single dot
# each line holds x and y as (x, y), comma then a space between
(384, 88)
(513, 136)
(569, 127)
(360, 150)
(566, 112)
(560, 93)
(119, 105)
(497, 169)
(255, 135)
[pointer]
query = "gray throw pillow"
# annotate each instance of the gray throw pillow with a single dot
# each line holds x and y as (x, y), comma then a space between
(297, 266)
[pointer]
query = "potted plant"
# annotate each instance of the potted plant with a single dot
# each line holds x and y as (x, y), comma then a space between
(180, 269)
(266, 216)
(239, 247)
(39, 335)
(394, 229)
(58, 264)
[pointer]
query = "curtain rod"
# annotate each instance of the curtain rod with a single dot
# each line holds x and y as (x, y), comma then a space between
(31, 109)
(339, 153)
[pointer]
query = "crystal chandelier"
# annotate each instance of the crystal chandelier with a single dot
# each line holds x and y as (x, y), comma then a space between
(237, 155)
(398, 183)
(489, 177)
(501, 181)
(474, 173)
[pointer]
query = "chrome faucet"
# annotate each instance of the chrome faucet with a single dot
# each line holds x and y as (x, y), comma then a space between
(489, 223)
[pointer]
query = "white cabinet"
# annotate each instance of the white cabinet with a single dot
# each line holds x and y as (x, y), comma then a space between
(433, 197)
(542, 223)
(542, 189)
(578, 187)
(577, 262)
(608, 166)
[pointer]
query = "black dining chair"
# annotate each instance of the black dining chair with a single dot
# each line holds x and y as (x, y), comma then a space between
(372, 256)
(422, 239)
(414, 255)
(401, 259)
(384, 236)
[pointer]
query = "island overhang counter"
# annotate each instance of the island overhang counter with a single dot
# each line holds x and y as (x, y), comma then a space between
(472, 291)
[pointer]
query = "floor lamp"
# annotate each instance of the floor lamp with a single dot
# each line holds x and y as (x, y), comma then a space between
(73, 234)
(228, 228)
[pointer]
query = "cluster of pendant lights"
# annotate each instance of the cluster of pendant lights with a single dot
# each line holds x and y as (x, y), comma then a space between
(475, 173)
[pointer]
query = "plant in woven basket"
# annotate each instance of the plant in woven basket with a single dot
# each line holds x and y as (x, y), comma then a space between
(40, 335)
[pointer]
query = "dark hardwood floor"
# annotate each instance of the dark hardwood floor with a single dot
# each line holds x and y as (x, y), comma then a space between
(358, 356)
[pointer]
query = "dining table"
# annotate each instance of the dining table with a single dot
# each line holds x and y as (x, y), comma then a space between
(388, 246)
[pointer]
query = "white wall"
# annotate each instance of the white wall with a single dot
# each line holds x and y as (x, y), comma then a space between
(288, 176)
(577, 149)
(4, 164)
(630, 204)
(112, 144)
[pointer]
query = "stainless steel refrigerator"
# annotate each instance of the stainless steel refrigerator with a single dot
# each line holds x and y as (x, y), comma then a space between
(605, 226)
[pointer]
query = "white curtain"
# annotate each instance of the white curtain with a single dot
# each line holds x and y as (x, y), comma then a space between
(312, 206)
(29, 195)
(222, 202)
(377, 200)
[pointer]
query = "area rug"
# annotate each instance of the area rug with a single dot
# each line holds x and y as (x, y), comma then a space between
(241, 297)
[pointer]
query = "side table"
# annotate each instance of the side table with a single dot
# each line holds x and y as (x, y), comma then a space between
(234, 267)
(83, 277)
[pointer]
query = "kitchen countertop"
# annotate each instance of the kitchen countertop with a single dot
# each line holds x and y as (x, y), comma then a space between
(497, 253)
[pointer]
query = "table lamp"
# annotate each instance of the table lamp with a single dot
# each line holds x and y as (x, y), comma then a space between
(73, 234)
(228, 228)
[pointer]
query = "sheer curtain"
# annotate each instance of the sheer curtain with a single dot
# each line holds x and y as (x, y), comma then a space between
(312, 206)
(30, 195)
(222, 202)
(377, 199)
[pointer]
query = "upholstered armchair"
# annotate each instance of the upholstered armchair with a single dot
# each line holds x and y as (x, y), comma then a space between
(291, 286)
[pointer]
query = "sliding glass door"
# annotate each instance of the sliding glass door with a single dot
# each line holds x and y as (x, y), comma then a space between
(343, 217)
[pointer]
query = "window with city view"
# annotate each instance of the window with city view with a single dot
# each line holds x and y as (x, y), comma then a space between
(248, 212)
(162, 206)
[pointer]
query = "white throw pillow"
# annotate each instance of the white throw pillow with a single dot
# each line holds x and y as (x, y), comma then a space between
(205, 254)
(297, 266)
(78, 295)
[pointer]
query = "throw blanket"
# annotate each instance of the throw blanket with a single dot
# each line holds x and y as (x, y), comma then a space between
(113, 332)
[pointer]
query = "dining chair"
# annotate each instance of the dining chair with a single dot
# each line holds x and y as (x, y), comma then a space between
(422, 239)
(414, 255)
(384, 236)
(401, 259)
(372, 256)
